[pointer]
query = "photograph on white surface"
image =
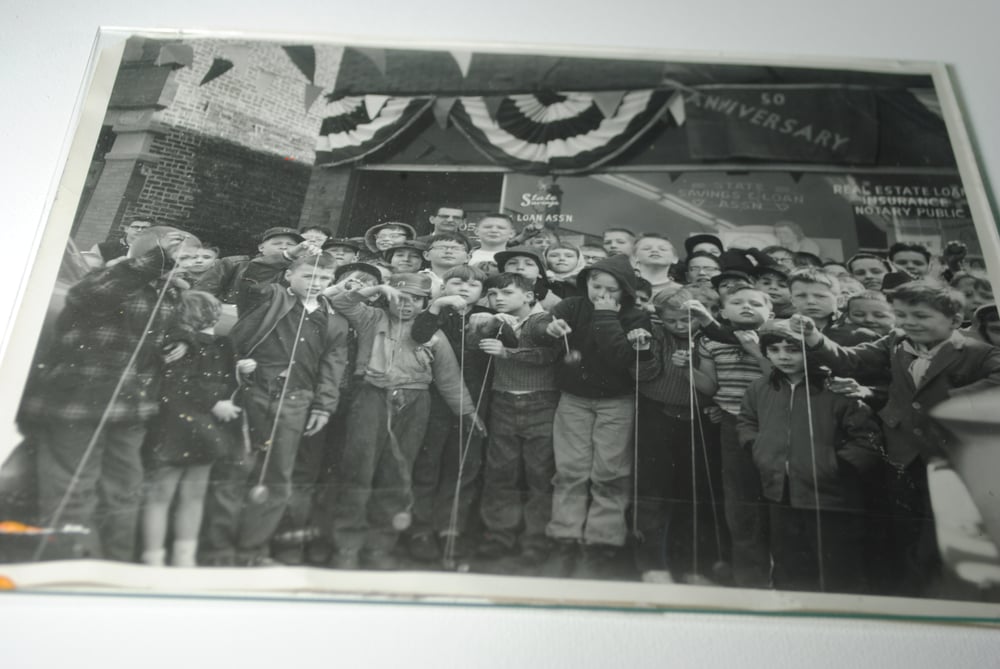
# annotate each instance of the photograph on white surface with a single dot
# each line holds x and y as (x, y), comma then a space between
(536, 326)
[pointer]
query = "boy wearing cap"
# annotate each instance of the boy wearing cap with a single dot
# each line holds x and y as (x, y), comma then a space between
(344, 251)
(405, 257)
(528, 262)
(703, 243)
(388, 417)
(233, 278)
(300, 345)
(383, 236)
(810, 464)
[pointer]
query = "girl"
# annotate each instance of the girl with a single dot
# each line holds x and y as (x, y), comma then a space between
(197, 425)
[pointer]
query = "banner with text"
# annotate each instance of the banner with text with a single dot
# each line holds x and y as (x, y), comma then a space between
(832, 125)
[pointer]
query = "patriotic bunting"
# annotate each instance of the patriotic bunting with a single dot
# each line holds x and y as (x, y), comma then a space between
(557, 133)
(348, 133)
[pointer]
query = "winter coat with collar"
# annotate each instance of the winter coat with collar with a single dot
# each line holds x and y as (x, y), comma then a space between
(394, 359)
(774, 423)
(961, 366)
(599, 335)
(269, 304)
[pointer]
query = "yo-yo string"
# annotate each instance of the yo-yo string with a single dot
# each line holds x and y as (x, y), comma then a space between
(694, 459)
(288, 377)
(812, 452)
(708, 478)
(401, 520)
(449, 550)
(92, 443)
(635, 451)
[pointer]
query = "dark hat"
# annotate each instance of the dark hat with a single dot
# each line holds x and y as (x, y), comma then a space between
(731, 274)
(694, 240)
(357, 245)
(367, 268)
(503, 256)
(986, 313)
(893, 280)
(770, 267)
(374, 230)
(780, 328)
(282, 232)
(411, 283)
(420, 247)
(738, 259)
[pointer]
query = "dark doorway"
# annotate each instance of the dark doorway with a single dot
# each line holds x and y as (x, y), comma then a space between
(411, 197)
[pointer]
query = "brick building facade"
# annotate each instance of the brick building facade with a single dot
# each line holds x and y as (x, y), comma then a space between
(224, 160)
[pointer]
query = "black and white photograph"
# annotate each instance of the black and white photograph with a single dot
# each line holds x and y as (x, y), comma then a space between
(497, 324)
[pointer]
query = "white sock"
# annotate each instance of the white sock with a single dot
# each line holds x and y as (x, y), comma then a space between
(184, 553)
(155, 557)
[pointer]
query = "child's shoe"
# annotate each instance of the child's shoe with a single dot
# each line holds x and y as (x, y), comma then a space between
(424, 547)
(183, 554)
(156, 557)
(345, 559)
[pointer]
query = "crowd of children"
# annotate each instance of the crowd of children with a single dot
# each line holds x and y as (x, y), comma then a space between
(756, 418)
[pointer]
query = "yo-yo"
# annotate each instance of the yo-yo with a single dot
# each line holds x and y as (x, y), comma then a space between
(573, 357)
(402, 521)
(259, 494)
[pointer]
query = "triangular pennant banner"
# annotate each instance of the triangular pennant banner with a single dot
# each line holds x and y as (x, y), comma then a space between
(463, 59)
(442, 108)
(265, 80)
(239, 56)
(376, 56)
(312, 92)
(175, 54)
(608, 101)
(219, 67)
(674, 176)
(492, 103)
(676, 107)
(374, 104)
(304, 58)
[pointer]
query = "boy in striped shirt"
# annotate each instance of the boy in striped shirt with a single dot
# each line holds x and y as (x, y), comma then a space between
(731, 368)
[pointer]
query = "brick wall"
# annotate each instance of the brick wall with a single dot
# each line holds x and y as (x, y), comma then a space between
(236, 154)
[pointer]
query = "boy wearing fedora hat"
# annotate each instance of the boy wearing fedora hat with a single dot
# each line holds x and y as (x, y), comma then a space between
(388, 417)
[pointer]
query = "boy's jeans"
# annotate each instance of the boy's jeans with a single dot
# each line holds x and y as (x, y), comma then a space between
(746, 511)
(375, 473)
(234, 525)
(592, 440)
(520, 432)
(107, 496)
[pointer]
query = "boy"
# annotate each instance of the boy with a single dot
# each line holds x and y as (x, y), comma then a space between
(618, 241)
(87, 376)
(869, 269)
(527, 262)
(591, 253)
(380, 237)
(871, 310)
(592, 432)
(524, 400)
(773, 280)
(653, 257)
(344, 251)
(564, 263)
(929, 362)
(663, 468)
(233, 279)
(405, 257)
(194, 262)
(104, 252)
(644, 295)
(388, 418)
(316, 235)
(816, 294)
(445, 250)
(494, 232)
(300, 345)
(811, 446)
(731, 369)
(435, 472)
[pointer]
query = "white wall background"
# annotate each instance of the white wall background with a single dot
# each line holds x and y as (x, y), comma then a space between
(45, 46)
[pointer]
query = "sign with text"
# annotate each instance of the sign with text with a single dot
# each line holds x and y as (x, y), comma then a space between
(833, 125)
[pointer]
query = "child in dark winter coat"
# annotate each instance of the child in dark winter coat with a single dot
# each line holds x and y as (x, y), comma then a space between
(197, 424)
(592, 433)
(810, 446)
(300, 344)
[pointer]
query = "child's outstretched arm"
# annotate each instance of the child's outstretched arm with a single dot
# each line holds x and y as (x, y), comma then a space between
(844, 361)
(101, 292)
(351, 304)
